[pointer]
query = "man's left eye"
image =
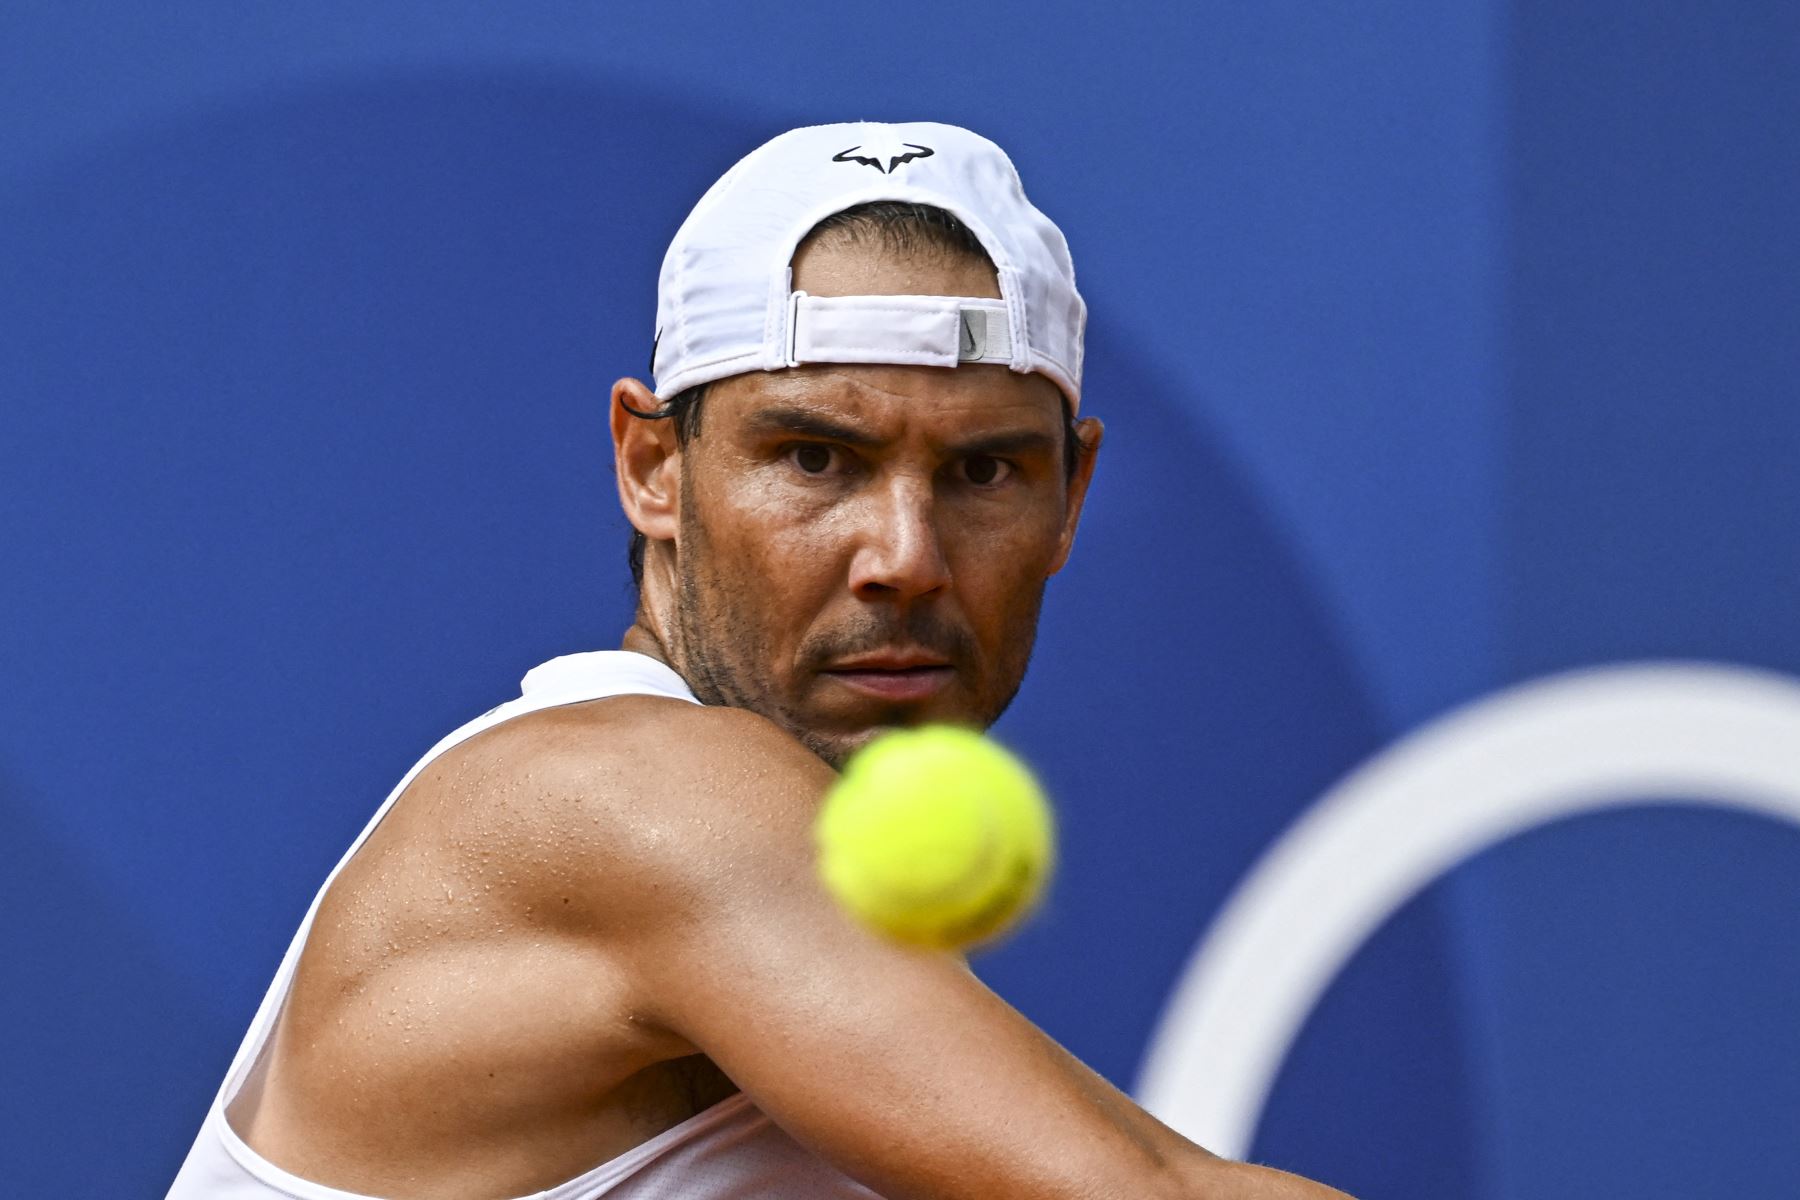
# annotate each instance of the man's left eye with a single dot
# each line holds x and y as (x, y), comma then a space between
(812, 458)
(984, 470)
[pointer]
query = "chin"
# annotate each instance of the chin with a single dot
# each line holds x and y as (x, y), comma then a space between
(836, 746)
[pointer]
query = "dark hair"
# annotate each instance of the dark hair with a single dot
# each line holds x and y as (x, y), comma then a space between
(897, 226)
(902, 227)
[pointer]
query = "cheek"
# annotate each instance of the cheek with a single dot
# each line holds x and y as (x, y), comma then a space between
(1002, 547)
(1000, 568)
(772, 552)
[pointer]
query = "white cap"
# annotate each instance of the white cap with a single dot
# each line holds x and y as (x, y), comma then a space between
(725, 300)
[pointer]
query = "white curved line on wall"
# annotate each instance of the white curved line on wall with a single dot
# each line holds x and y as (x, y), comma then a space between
(1554, 748)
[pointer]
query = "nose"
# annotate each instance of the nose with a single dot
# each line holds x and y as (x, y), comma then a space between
(899, 556)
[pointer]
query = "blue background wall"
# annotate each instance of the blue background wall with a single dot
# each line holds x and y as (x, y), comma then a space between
(1440, 347)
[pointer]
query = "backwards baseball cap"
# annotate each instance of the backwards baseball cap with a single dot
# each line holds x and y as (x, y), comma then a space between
(726, 303)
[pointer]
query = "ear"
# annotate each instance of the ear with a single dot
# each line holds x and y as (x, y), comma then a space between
(647, 457)
(1088, 434)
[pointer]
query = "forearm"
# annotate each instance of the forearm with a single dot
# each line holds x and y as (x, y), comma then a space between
(1211, 1178)
(1195, 1173)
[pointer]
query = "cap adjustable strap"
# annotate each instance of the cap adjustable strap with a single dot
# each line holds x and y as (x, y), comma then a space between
(931, 331)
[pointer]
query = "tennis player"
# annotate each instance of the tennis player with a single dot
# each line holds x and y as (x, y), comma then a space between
(581, 950)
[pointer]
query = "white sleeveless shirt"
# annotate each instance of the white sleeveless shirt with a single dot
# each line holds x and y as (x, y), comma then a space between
(728, 1152)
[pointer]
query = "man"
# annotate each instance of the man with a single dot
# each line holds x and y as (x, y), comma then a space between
(582, 950)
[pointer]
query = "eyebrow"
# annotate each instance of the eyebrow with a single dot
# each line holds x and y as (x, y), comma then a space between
(1020, 442)
(782, 419)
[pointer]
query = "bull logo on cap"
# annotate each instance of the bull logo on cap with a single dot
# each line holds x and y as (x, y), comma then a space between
(896, 156)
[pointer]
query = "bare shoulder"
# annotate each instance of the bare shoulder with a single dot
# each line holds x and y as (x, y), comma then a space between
(506, 905)
(635, 800)
(649, 755)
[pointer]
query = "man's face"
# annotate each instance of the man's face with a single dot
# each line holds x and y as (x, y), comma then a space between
(865, 546)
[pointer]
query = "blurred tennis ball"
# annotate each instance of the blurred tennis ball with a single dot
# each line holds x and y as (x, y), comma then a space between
(936, 837)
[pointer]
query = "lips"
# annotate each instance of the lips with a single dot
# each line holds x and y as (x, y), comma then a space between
(899, 676)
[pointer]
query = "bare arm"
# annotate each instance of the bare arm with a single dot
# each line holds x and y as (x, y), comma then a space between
(897, 1065)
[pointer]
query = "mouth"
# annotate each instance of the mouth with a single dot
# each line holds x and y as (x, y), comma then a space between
(894, 677)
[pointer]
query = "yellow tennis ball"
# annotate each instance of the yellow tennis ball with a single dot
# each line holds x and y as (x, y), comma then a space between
(936, 837)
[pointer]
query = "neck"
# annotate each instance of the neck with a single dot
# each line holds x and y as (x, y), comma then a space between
(653, 628)
(642, 639)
